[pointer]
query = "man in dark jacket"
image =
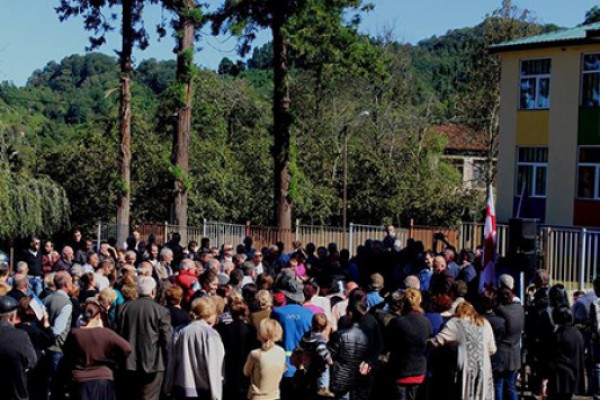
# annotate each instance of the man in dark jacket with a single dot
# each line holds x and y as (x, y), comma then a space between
(594, 329)
(33, 257)
(66, 260)
(509, 350)
(146, 325)
(442, 277)
(565, 356)
(17, 354)
(60, 311)
(349, 349)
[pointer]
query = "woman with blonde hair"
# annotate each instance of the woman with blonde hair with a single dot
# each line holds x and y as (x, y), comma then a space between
(265, 366)
(195, 368)
(473, 336)
(265, 303)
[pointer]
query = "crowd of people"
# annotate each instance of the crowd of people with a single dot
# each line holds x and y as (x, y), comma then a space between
(142, 321)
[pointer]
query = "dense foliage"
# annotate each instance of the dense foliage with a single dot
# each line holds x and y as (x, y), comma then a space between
(68, 112)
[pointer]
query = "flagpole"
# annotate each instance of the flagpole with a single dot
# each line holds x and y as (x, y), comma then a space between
(521, 201)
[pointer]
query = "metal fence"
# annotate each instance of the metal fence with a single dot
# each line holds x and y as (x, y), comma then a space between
(427, 234)
(264, 236)
(158, 233)
(571, 255)
(221, 233)
(358, 234)
(470, 236)
(321, 235)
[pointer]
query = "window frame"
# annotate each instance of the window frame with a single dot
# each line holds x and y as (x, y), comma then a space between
(584, 72)
(537, 77)
(535, 165)
(596, 176)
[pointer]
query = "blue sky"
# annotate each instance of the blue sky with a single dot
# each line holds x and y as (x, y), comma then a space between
(31, 35)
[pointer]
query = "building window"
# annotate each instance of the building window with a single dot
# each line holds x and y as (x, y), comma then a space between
(532, 171)
(588, 173)
(590, 81)
(535, 84)
(479, 173)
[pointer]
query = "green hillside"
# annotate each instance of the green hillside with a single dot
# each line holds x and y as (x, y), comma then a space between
(64, 124)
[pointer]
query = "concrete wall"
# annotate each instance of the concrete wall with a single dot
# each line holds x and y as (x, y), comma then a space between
(562, 135)
(558, 127)
(509, 104)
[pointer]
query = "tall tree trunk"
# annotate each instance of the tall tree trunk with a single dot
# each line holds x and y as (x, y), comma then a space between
(282, 121)
(124, 161)
(181, 139)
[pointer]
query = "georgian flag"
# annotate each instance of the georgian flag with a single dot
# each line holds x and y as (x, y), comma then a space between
(488, 275)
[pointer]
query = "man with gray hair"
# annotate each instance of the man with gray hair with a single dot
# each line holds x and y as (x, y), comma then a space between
(66, 260)
(146, 325)
(412, 282)
(214, 264)
(131, 257)
(17, 354)
(22, 269)
(20, 287)
(60, 310)
(146, 287)
(144, 269)
(164, 269)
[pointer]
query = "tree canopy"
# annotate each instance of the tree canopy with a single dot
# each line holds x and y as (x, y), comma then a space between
(68, 143)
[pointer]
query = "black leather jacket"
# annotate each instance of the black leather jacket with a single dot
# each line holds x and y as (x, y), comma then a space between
(349, 348)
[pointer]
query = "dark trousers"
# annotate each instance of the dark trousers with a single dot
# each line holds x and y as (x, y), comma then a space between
(288, 389)
(406, 392)
(52, 377)
(140, 385)
(97, 389)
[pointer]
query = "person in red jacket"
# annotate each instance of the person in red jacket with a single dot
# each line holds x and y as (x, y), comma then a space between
(49, 258)
(187, 279)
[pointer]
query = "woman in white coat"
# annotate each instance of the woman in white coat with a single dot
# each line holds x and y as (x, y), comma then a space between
(195, 367)
(474, 338)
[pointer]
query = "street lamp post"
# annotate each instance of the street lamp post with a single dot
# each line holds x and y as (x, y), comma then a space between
(345, 190)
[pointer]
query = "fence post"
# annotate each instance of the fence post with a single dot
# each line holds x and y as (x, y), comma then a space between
(350, 237)
(247, 228)
(203, 228)
(297, 230)
(411, 228)
(166, 234)
(582, 257)
(99, 237)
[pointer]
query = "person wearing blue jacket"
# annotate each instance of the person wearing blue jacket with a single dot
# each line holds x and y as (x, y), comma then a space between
(293, 318)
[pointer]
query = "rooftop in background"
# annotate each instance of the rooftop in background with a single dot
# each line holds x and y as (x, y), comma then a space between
(584, 34)
(461, 138)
